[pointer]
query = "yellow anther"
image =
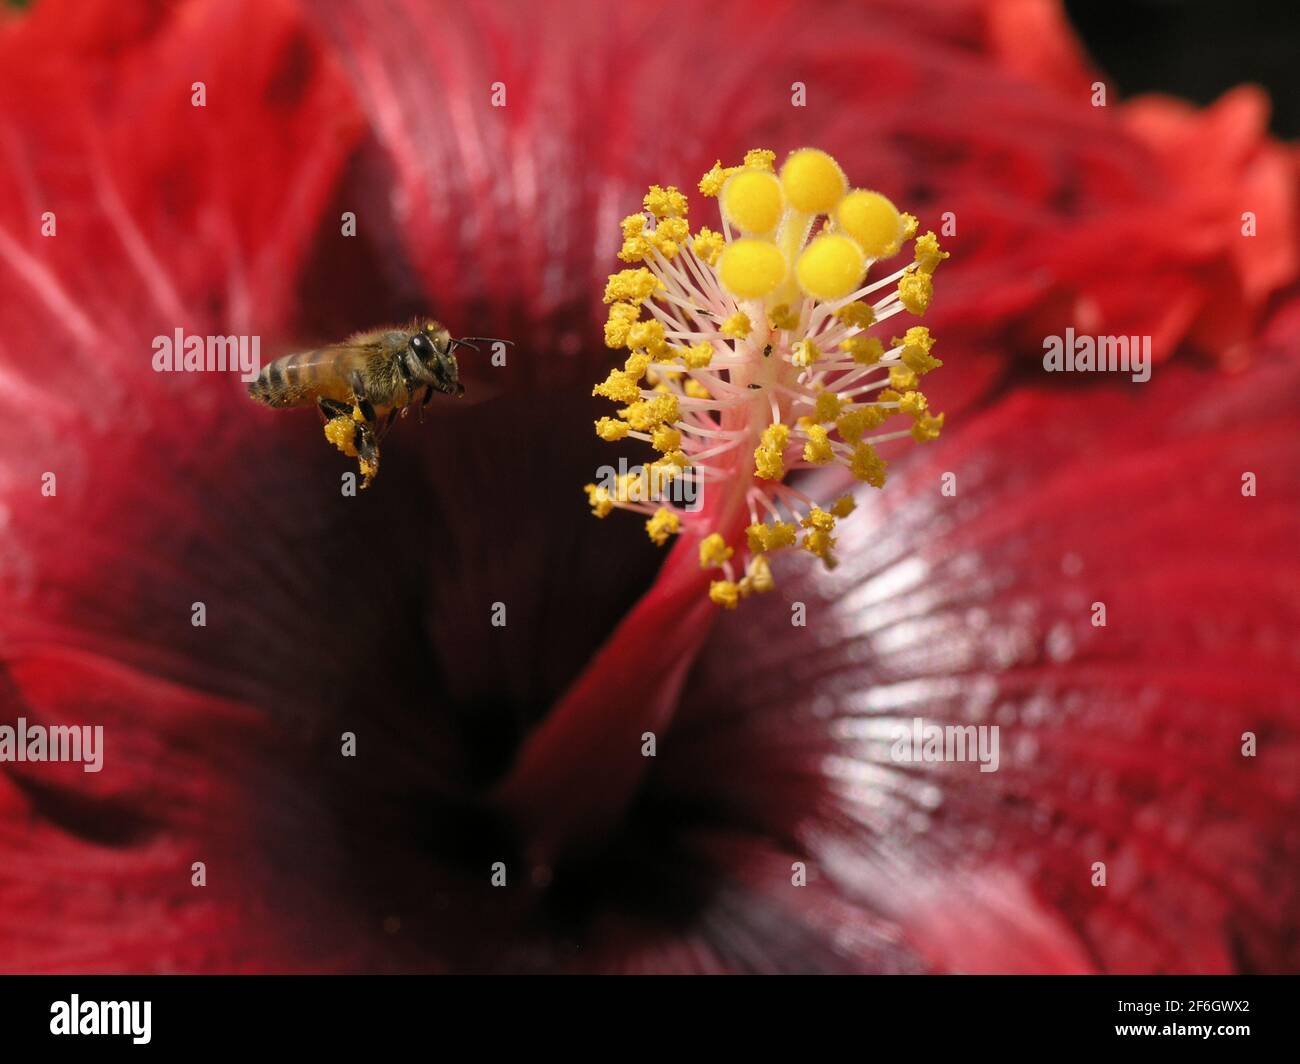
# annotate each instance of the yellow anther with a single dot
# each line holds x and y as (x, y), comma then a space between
(830, 267)
(599, 500)
(752, 201)
(707, 245)
(665, 439)
(857, 315)
(852, 425)
(696, 390)
(669, 235)
(610, 429)
(697, 356)
(750, 269)
(915, 290)
(872, 221)
(632, 286)
(712, 182)
(805, 353)
(928, 255)
(867, 465)
(714, 551)
(737, 326)
(843, 506)
(771, 537)
(913, 403)
(818, 448)
(622, 316)
(813, 181)
(663, 524)
(927, 428)
(636, 366)
(649, 414)
(782, 317)
(865, 350)
(769, 455)
(665, 202)
(760, 159)
(910, 225)
(619, 387)
(828, 407)
(648, 336)
(901, 378)
(724, 593)
(759, 574)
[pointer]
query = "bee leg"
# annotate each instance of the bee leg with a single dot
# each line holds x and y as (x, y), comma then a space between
(332, 408)
(359, 393)
(424, 401)
(367, 452)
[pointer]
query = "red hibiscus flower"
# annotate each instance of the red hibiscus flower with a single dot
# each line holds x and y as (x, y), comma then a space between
(772, 830)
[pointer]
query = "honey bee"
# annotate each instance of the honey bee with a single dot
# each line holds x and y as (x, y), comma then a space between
(362, 384)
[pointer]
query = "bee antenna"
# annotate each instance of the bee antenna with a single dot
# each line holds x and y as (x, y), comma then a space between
(463, 343)
(492, 339)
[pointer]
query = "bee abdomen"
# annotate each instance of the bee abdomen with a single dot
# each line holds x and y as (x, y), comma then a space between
(278, 384)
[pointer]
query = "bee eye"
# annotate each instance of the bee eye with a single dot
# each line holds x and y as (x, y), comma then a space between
(421, 346)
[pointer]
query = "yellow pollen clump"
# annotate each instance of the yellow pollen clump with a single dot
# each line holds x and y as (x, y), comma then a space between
(665, 439)
(915, 290)
(872, 221)
(782, 317)
(599, 498)
(857, 315)
(724, 593)
(648, 336)
(737, 326)
(843, 506)
(697, 356)
(707, 245)
(813, 181)
(913, 403)
(852, 425)
(342, 432)
(651, 413)
(611, 429)
(712, 182)
(758, 577)
(902, 378)
(866, 350)
(665, 523)
(714, 551)
(752, 201)
(768, 538)
(867, 465)
(828, 407)
(818, 448)
(760, 159)
(830, 267)
(751, 268)
(618, 386)
(622, 316)
(632, 286)
(665, 202)
(818, 539)
(927, 428)
(928, 255)
(769, 455)
(696, 390)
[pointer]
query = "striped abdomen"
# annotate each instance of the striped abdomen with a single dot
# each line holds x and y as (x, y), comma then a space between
(300, 379)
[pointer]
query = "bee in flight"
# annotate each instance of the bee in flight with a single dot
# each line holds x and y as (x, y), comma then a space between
(360, 385)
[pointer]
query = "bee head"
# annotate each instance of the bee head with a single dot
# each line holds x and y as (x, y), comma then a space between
(429, 357)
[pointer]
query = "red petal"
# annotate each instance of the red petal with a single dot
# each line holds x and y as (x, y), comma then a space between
(1119, 744)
